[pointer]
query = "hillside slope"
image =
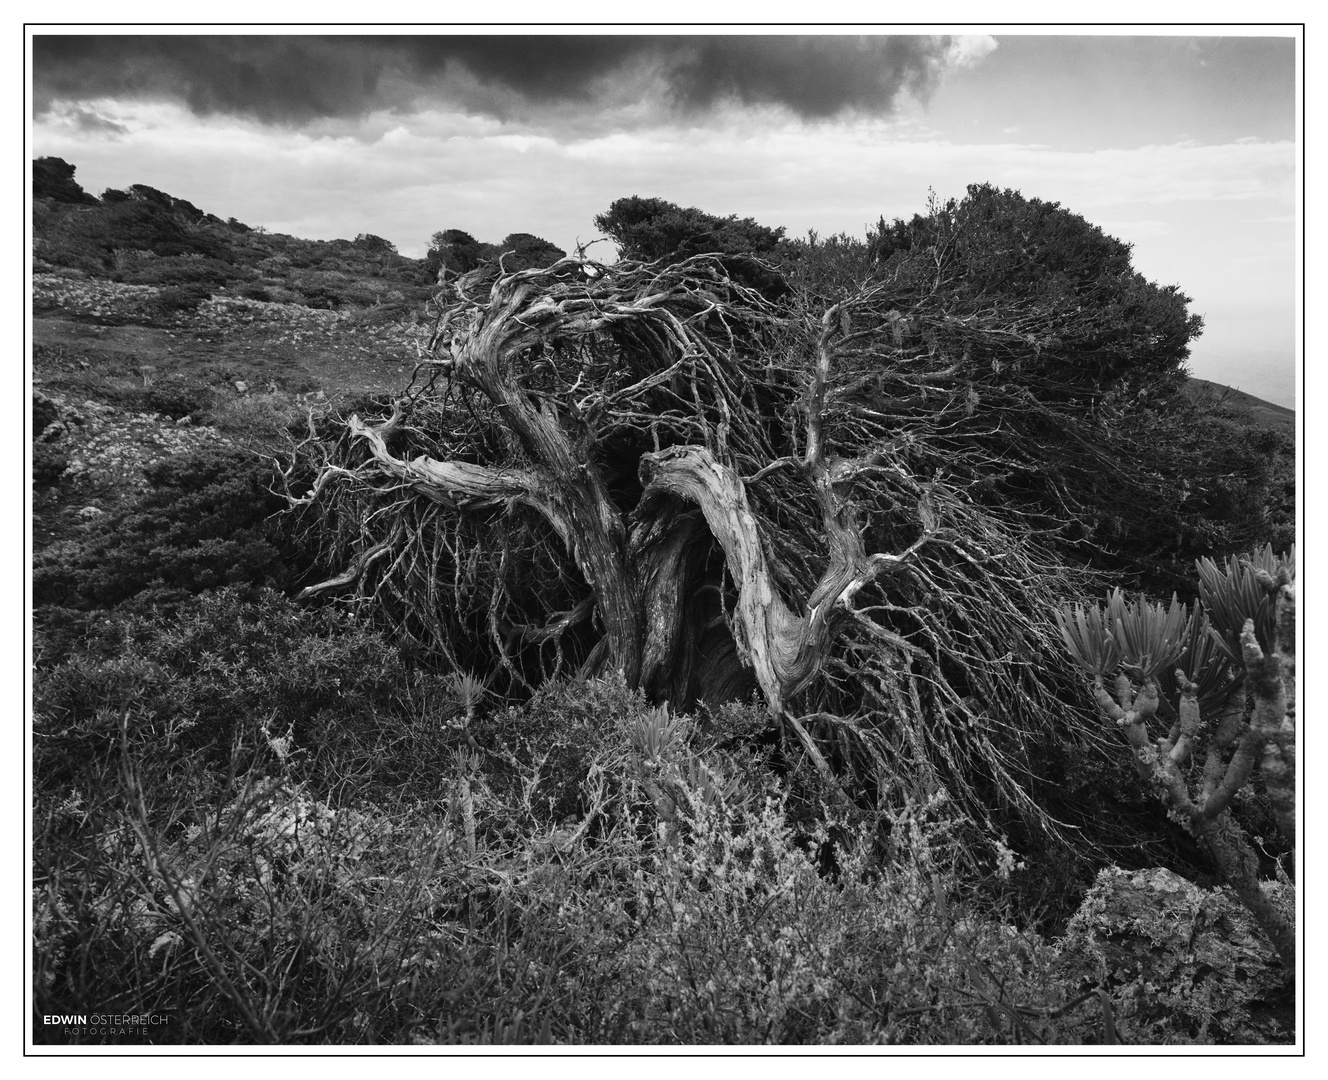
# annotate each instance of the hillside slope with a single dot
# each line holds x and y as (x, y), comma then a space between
(1255, 410)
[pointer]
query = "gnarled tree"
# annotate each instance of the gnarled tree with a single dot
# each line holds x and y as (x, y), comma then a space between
(652, 468)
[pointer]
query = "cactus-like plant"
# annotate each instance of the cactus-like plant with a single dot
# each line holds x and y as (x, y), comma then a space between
(1088, 636)
(1150, 636)
(1235, 593)
(1186, 664)
(1203, 662)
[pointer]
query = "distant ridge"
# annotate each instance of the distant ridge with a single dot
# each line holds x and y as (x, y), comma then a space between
(1256, 410)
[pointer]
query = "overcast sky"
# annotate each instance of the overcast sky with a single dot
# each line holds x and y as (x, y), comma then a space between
(1183, 146)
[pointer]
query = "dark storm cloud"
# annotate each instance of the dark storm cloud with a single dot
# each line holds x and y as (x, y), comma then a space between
(814, 76)
(272, 79)
(293, 80)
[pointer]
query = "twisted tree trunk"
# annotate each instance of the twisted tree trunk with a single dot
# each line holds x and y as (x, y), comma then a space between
(654, 470)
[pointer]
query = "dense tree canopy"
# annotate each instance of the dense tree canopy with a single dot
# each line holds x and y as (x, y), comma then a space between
(375, 245)
(522, 251)
(650, 229)
(1094, 354)
(1036, 260)
(454, 250)
(458, 252)
(53, 178)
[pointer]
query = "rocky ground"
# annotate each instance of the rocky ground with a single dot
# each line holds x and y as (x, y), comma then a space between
(129, 383)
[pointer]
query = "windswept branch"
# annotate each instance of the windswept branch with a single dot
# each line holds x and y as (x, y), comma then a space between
(656, 469)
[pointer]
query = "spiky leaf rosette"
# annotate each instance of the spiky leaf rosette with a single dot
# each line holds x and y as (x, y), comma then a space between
(1150, 636)
(1088, 635)
(1203, 662)
(1233, 593)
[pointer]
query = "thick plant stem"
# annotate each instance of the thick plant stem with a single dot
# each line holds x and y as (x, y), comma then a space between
(785, 648)
(1273, 685)
(1240, 867)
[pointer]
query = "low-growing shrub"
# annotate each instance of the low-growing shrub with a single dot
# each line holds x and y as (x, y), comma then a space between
(263, 902)
(257, 418)
(49, 463)
(179, 398)
(1183, 964)
(266, 916)
(175, 299)
(225, 666)
(45, 412)
(178, 271)
(206, 520)
(555, 737)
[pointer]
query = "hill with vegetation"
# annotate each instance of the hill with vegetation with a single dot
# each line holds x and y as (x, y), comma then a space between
(1253, 410)
(508, 646)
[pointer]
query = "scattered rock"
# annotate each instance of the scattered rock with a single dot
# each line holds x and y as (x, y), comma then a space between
(241, 386)
(1182, 964)
(111, 446)
(90, 512)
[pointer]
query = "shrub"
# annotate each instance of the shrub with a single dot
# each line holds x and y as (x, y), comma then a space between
(148, 900)
(206, 520)
(53, 178)
(181, 298)
(558, 734)
(673, 905)
(45, 412)
(224, 666)
(48, 465)
(1183, 964)
(257, 419)
(179, 271)
(178, 398)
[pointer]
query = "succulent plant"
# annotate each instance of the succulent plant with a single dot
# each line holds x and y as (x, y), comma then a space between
(1144, 638)
(1151, 638)
(1234, 594)
(469, 693)
(1088, 636)
(1204, 662)
(656, 732)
